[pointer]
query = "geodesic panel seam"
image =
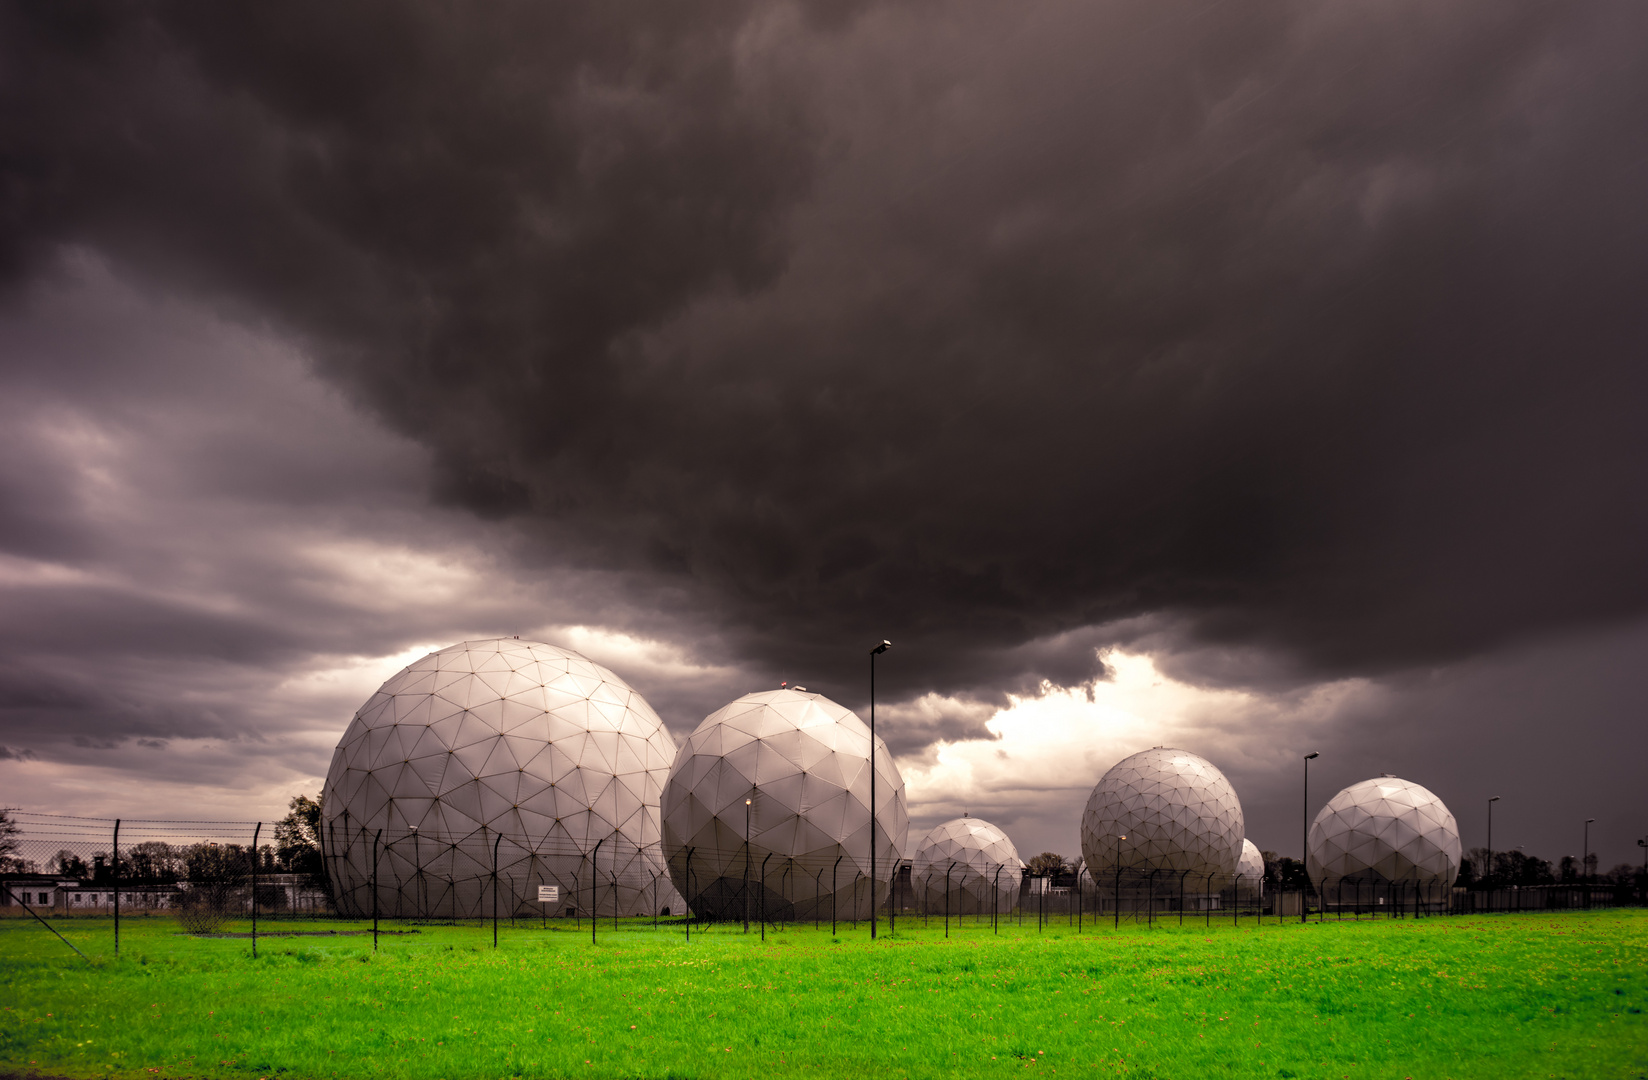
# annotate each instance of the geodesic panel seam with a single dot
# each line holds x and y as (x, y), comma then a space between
(1384, 830)
(968, 867)
(801, 848)
(506, 752)
(1177, 813)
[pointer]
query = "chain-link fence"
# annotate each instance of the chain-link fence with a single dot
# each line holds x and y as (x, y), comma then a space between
(209, 874)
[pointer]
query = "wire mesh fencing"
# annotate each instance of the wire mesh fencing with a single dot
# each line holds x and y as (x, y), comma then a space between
(240, 878)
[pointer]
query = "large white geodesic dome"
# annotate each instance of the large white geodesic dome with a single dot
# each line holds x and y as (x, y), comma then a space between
(1250, 868)
(506, 752)
(967, 866)
(800, 849)
(1383, 830)
(1179, 814)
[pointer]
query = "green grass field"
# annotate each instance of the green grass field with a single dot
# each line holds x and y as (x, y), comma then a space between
(1488, 996)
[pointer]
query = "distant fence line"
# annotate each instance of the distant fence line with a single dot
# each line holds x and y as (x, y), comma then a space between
(67, 865)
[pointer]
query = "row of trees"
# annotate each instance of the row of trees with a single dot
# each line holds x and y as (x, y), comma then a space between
(1510, 868)
(295, 850)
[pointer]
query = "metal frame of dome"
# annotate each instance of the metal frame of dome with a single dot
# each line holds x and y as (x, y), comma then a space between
(970, 863)
(1250, 868)
(766, 810)
(1384, 830)
(1180, 816)
(488, 768)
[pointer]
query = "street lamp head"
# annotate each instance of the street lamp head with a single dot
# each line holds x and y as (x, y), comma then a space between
(746, 802)
(1313, 753)
(883, 647)
(1589, 820)
(1494, 799)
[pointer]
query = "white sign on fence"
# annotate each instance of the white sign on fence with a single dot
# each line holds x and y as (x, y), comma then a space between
(549, 894)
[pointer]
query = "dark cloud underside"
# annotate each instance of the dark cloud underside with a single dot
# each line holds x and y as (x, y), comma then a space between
(1309, 329)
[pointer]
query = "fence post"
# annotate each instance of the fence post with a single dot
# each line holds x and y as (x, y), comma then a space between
(255, 831)
(947, 870)
(762, 911)
(892, 894)
(418, 889)
(117, 893)
(833, 893)
(995, 903)
(1079, 898)
(495, 842)
(377, 841)
(1117, 925)
(594, 883)
(328, 862)
(688, 896)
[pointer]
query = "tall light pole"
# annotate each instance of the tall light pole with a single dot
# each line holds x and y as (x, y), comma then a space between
(747, 865)
(1487, 871)
(1304, 834)
(1585, 851)
(875, 652)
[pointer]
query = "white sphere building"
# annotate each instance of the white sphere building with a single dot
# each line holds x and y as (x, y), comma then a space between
(1250, 868)
(767, 811)
(967, 866)
(505, 753)
(1179, 815)
(1382, 831)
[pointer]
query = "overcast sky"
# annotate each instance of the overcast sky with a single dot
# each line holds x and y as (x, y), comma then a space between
(1253, 378)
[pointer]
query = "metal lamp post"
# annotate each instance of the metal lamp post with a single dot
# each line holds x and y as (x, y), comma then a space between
(1487, 871)
(1117, 913)
(1304, 831)
(1585, 853)
(875, 652)
(747, 803)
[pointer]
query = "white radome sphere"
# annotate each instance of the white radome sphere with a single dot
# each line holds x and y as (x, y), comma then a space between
(983, 867)
(516, 744)
(1384, 830)
(1179, 814)
(804, 763)
(1250, 868)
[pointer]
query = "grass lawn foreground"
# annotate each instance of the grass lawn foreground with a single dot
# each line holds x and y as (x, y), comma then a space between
(1549, 995)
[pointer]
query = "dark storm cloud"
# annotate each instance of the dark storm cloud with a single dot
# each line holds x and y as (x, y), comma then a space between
(1299, 329)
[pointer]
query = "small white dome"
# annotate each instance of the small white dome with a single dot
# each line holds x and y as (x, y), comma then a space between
(801, 847)
(974, 860)
(1177, 812)
(1384, 830)
(1250, 868)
